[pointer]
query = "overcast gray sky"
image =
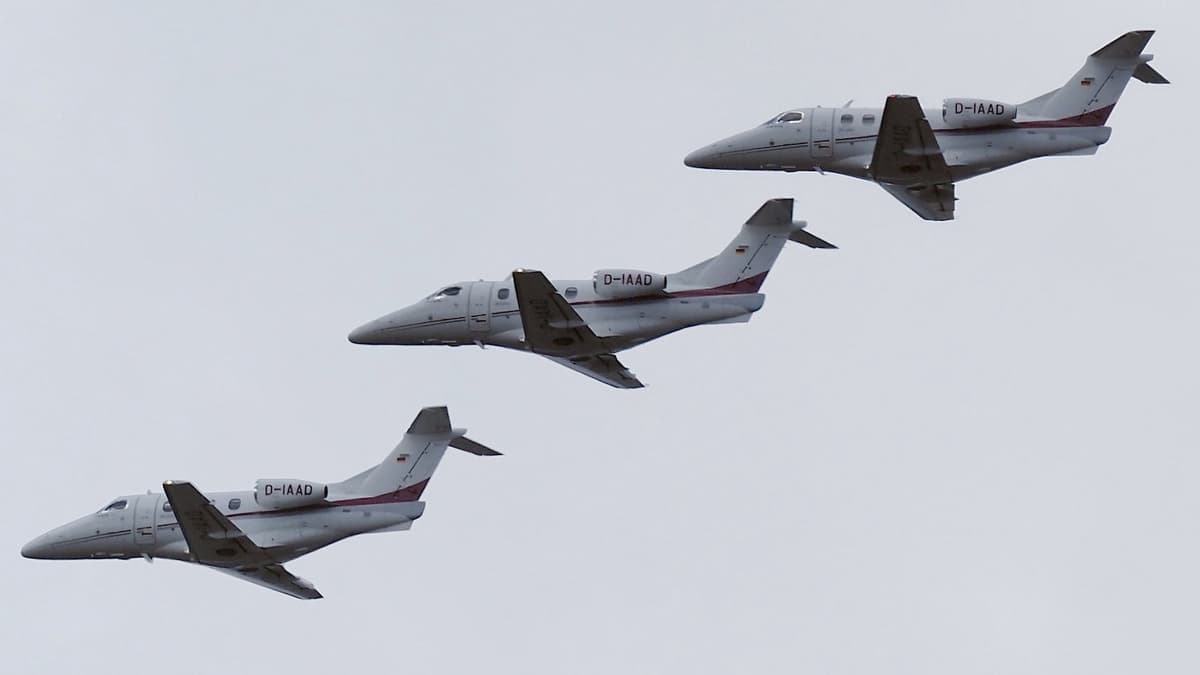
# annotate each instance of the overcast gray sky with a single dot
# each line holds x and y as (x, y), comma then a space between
(965, 447)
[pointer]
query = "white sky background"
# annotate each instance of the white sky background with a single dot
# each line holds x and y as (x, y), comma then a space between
(965, 447)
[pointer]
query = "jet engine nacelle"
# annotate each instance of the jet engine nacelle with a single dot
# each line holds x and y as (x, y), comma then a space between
(285, 493)
(969, 113)
(627, 283)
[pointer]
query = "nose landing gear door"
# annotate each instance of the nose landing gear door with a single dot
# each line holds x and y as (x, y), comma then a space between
(145, 511)
(479, 309)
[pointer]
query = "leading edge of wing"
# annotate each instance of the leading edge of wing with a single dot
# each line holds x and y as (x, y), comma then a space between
(605, 368)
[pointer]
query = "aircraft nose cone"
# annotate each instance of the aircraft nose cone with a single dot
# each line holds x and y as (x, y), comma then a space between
(39, 548)
(702, 158)
(369, 333)
(392, 329)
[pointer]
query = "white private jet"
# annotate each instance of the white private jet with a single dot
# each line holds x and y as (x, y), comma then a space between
(250, 534)
(917, 155)
(581, 324)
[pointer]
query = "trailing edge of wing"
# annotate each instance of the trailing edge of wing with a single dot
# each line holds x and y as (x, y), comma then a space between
(276, 578)
(603, 367)
(931, 202)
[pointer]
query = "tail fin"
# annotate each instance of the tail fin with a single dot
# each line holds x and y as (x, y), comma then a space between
(743, 265)
(1088, 98)
(407, 469)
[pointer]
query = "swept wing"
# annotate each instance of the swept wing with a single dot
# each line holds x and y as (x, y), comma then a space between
(555, 330)
(908, 162)
(215, 541)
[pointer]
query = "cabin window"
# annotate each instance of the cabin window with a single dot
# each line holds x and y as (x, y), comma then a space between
(571, 292)
(502, 294)
(868, 119)
(115, 506)
(235, 504)
(166, 507)
(847, 119)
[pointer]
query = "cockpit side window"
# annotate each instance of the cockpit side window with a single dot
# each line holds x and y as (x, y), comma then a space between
(446, 292)
(788, 117)
(115, 506)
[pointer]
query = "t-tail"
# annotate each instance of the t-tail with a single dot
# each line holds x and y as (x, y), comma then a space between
(1088, 98)
(743, 265)
(405, 472)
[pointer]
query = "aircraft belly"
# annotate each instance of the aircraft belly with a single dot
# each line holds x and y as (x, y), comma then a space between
(678, 313)
(855, 166)
(511, 339)
(171, 544)
(973, 154)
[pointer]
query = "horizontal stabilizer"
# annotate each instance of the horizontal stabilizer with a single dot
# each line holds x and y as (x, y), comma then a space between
(809, 239)
(467, 445)
(1149, 75)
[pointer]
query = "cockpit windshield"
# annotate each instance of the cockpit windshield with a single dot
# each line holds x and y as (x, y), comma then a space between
(790, 116)
(115, 506)
(445, 292)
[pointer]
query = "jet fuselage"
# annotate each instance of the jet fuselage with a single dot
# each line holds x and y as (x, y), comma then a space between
(842, 141)
(486, 313)
(144, 526)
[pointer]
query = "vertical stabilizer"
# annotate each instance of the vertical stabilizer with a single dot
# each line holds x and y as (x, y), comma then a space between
(743, 265)
(1088, 98)
(406, 470)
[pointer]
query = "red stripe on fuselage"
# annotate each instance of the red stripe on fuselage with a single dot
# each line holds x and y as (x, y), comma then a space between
(1094, 118)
